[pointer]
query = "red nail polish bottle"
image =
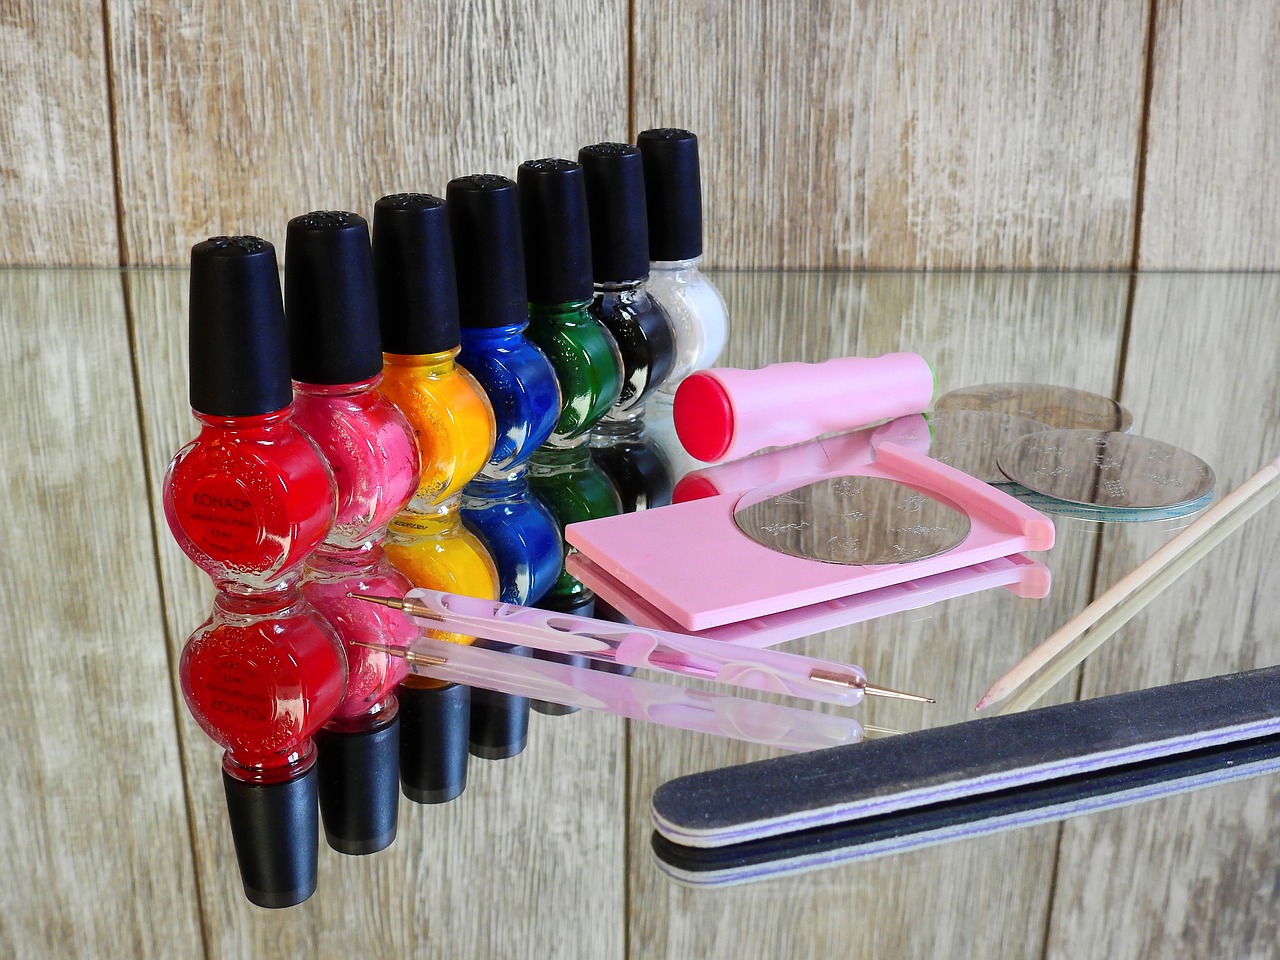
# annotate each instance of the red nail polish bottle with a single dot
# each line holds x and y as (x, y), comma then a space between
(247, 501)
(335, 354)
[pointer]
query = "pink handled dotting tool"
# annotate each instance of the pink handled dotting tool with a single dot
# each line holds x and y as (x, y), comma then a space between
(786, 728)
(725, 413)
(769, 670)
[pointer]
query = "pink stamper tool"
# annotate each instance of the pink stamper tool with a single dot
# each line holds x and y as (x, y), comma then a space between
(817, 458)
(725, 413)
(632, 646)
(771, 724)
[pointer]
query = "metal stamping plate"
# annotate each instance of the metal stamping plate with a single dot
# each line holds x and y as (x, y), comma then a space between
(853, 520)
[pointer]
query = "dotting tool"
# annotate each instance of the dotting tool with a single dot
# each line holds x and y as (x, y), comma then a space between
(753, 721)
(627, 645)
(726, 413)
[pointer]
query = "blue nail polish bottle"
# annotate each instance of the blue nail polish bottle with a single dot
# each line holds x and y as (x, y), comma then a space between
(521, 384)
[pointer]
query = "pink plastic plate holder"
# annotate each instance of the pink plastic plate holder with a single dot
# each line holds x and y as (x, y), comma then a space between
(1023, 576)
(691, 562)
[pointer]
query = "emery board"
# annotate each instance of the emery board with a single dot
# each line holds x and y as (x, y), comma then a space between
(804, 811)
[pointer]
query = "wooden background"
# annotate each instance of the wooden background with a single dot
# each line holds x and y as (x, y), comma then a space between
(876, 133)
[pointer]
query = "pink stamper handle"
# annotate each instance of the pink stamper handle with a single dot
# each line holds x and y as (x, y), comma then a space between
(775, 725)
(772, 671)
(725, 413)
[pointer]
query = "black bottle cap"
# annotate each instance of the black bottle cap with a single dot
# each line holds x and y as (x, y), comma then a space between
(673, 185)
(616, 202)
(329, 299)
(360, 787)
(583, 605)
(488, 252)
(239, 356)
(277, 837)
(434, 727)
(557, 233)
(413, 264)
(499, 721)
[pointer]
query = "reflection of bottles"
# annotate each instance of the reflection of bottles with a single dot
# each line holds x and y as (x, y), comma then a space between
(453, 421)
(574, 489)
(434, 549)
(636, 465)
(336, 362)
(673, 188)
(523, 538)
(620, 267)
(521, 534)
(247, 501)
(494, 313)
(557, 243)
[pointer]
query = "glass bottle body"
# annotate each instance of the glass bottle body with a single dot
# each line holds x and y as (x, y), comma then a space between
(520, 384)
(248, 499)
(574, 488)
(638, 468)
(586, 361)
(521, 535)
(450, 416)
(371, 450)
(643, 332)
(260, 676)
(698, 315)
(372, 675)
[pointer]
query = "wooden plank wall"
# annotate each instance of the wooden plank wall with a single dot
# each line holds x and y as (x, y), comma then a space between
(877, 133)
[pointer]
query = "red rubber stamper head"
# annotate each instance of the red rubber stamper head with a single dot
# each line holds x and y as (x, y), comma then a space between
(703, 417)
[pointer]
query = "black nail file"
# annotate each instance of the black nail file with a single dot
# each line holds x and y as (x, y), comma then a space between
(806, 811)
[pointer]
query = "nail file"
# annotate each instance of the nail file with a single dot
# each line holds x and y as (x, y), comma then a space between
(802, 812)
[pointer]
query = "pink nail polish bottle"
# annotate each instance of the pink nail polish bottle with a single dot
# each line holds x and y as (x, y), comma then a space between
(335, 355)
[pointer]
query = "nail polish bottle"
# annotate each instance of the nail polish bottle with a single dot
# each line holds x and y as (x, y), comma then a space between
(620, 267)
(454, 424)
(247, 501)
(673, 190)
(557, 243)
(336, 361)
(640, 471)
(574, 489)
(519, 380)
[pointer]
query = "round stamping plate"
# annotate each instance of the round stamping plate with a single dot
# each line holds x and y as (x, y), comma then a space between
(1107, 475)
(971, 440)
(853, 520)
(1062, 408)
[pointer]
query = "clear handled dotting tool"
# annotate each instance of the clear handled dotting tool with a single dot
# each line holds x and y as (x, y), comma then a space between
(769, 670)
(786, 728)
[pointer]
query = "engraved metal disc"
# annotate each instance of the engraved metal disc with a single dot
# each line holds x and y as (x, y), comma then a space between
(1106, 469)
(852, 520)
(970, 440)
(1063, 408)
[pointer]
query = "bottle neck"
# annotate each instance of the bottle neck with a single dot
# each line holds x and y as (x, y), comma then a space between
(337, 389)
(569, 310)
(265, 424)
(675, 265)
(438, 363)
(620, 286)
(508, 331)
